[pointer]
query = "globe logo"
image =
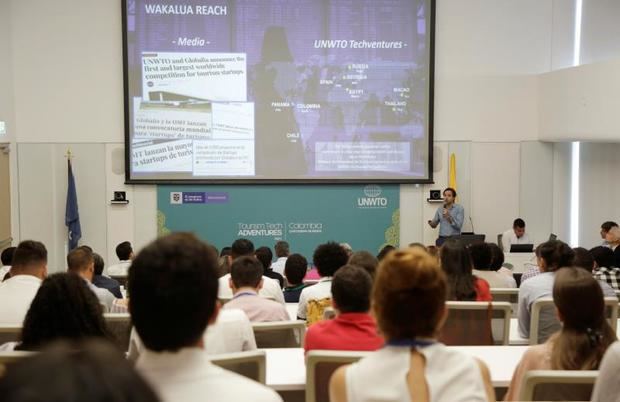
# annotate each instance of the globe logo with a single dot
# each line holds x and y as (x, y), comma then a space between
(372, 190)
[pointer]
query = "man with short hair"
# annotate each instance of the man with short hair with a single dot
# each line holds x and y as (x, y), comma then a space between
(29, 268)
(516, 235)
(327, 258)
(105, 282)
(264, 255)
(353, 328)
(282, 252)
(242, 248)
(605, 228)
(605, 268)
(81, 262)
(6, 257)
(365, 260)
(246, 279)
(124, 252)
(173, 285)
(295, 270)
(449, 217)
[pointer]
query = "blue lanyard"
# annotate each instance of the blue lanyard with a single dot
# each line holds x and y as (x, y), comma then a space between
(413, 343)
(244, 294)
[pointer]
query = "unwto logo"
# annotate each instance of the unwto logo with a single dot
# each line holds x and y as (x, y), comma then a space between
(372, 199)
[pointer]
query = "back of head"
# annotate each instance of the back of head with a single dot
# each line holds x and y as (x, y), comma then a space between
(63, 308)
(226, 251)
(281, 248)
(365, 260)
(497, 256)
(91, 371)
(30, 256)
(556, 254)
(585, 333)
(7, 255)
(613, 235)
(583, 259)
(124, 251)
(241, 248)
(173, 285)
(246, 272)
(603, 256)
(351, 289)
(606, 226)
(456, 263)
(409, 295)
(79, 259)
(385, 251)
(264, 255)
(99, 264)
(480, 255)
(295, 269)
(518, 223)
(328, 257)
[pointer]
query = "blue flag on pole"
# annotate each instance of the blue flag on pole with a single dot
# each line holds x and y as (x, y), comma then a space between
(72, 216)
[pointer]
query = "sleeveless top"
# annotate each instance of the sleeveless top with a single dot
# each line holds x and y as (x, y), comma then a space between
(451, 376)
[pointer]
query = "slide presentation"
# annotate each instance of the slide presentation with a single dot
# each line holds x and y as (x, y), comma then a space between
(278, 90)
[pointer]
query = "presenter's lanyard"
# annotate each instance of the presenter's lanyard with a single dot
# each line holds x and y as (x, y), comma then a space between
(412, 343)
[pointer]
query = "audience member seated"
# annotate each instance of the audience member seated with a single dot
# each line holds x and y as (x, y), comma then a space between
(532, 270)
(80, 261)
(385, 251)
(91, 371)
(327, 258)
(224, 261)
(28, 270)
(173, 286)
(246, 279)
(264, 255)
(105, 282)
(295, 271)
(605, 269)
(347, 248)
(6, 257)
(607, 386)
(481, 259)
(124, 252)
(282, 252)
(365, 260)
(63, 309)
(516, 235)
(583, 259)
(552, 256)
(241, 248)
(230, 333)
(408, 300)
(613, 240)
(353, 328)
(584, 336)
(497, 261)
(606, 227)
(462, 284)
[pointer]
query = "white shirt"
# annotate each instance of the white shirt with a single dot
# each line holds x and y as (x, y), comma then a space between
(16, 295)
(119, 269)
(496, 279)
(509, 238)
(232, 332)
(3, 270)
(321, 290)
(189, 376)
(279, 265)
(607, 387)
(106, 299)
(451, 376)
(271, 288)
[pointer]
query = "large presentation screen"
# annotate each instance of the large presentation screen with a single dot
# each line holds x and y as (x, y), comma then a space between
(278, 90)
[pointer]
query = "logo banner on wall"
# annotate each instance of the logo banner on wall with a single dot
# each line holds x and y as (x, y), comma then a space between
(365, 216)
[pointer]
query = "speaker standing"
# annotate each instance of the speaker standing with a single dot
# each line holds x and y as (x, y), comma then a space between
(449, 217)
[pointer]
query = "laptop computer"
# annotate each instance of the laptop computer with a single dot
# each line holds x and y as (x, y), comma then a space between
(552, 237)
(521, 248)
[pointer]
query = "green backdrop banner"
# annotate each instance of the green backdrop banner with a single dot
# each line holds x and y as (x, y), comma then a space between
(365, 216)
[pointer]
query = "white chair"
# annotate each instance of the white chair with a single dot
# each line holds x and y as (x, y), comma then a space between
(119, 325)
(477, 323)
(279, 334)
(510, 295)
(320, 365)
(248, 364)
(545, 307)
(10, 333)
(558, 385)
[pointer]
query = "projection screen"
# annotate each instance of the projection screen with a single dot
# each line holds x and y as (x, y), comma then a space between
(278, 91)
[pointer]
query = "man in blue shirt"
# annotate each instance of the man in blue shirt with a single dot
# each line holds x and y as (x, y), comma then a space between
(449, 217)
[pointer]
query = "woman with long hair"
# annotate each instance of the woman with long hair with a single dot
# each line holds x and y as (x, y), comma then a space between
(585, 334)
(408, 301)
(463, 285)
